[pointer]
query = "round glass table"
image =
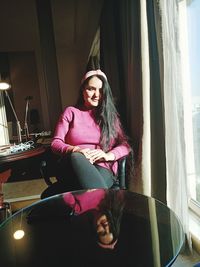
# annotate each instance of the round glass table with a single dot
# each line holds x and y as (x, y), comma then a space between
(92, 228)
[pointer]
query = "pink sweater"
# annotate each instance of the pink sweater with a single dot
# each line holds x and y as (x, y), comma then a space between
(77, 127)
(85, 201)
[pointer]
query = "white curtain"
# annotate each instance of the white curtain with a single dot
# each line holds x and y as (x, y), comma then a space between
(146, 166)
(170, 60)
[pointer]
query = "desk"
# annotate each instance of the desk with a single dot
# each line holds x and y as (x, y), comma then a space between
(12, 157)
(15, 161)
(61, 231)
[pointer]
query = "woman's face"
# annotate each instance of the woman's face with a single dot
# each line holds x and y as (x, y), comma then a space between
(92, 93)
(103, 230)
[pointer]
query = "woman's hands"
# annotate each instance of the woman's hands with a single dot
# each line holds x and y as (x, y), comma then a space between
(95, 155)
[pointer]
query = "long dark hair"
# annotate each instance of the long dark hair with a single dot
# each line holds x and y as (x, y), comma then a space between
(113, 206)
(106, 116)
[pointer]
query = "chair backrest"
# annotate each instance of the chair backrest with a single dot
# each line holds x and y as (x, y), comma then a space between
(48, 166)
(121, 182)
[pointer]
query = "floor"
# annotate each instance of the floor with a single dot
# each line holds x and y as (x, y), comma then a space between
(23, 193)
(185, 260)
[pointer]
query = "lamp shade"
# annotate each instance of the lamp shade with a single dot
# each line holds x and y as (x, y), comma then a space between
(4, 86)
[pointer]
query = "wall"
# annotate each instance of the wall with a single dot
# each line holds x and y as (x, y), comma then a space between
(74, 24)
(19, 29)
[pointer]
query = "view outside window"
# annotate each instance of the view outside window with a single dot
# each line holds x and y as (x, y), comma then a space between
(193, 29)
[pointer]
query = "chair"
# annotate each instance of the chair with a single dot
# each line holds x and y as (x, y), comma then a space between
(121, 182)
(48, 170)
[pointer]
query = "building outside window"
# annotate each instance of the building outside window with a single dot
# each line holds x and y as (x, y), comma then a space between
(190, 24)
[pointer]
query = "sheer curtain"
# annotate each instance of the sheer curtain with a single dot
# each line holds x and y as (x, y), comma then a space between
(167, 30)
(146, 147)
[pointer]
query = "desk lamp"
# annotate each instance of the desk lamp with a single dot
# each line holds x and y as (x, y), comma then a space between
(28, 98)
(4, 86)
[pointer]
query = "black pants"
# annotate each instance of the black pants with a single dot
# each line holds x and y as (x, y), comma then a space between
(76, 172)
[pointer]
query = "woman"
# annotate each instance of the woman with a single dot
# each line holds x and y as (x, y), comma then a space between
(89, 136)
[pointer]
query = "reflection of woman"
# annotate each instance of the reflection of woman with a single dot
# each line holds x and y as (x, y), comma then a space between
(109, 219)
(106, 208)
(89, 136)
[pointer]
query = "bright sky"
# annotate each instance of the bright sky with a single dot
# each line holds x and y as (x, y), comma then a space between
(194, 44)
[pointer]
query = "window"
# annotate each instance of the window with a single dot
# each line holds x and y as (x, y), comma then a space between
(190, 51)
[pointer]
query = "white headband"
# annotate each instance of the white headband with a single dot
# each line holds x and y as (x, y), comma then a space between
(92, 73)
(108, 246)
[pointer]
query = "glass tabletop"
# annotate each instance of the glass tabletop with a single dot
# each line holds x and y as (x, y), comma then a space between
(92, 228)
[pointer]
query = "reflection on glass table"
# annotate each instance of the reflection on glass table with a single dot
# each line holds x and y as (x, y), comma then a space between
(92, 228)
